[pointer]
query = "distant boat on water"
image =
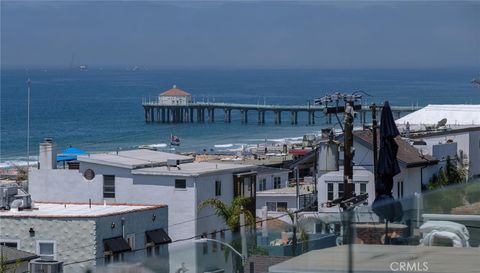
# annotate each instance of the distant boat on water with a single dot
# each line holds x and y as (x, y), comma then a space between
(476, 82)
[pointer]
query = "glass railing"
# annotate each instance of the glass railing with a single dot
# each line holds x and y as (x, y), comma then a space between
(439, 231)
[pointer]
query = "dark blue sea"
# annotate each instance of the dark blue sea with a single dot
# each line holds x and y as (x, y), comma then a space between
(100, 109)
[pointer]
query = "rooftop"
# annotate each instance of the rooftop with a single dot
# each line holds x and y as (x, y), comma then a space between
(284, 191)
(133, 159)
(265, 170)
(456, 114)
(175, 92)
(12, 255)
(194, 169)
(76, 210)
(377, 258)
(407, 154)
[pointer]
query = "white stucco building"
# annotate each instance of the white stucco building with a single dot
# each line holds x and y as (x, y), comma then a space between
(460, 123)
(143, 176)
(415, 169)
(271, 178)
(457, 142)
(175, 96)
(85, 236)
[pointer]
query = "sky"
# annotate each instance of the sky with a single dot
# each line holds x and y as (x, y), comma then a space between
(269, 34)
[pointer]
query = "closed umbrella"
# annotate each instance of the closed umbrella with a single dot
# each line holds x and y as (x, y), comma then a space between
(384, 205)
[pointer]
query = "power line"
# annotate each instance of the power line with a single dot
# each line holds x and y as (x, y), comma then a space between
(181, 240)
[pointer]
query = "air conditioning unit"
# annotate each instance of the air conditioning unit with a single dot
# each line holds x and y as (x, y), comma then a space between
(13, 196)
(43, 266)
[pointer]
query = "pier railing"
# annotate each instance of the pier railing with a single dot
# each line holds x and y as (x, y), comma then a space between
(155, 111)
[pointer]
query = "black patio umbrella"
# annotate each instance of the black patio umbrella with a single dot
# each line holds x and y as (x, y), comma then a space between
(385, 205)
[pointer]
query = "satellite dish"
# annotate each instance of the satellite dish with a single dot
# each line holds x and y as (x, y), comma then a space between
(442, 123)
(89, 174)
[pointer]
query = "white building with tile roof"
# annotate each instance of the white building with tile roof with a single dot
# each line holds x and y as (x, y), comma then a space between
(175, 96)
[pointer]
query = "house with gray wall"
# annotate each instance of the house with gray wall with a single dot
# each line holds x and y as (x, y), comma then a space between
(86, 236)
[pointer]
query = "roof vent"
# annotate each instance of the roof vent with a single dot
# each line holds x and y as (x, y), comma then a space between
(173, 162)
(174, 86)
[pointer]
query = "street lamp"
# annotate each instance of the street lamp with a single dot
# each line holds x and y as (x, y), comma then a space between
(204, 240)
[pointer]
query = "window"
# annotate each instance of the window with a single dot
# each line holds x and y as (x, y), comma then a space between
(46, 250)
(363, 188)
(276, 206)
(218, 188)
(329, 191)
(9, 243)
(131, 241)
(271, 206)
(108, 186)
(180, 184)
(113, 258)
(277, 182)
(340, 190)
(156, 250)
(262, 185)
(281, 206)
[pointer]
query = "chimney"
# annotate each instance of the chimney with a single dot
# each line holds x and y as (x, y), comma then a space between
(47, 156)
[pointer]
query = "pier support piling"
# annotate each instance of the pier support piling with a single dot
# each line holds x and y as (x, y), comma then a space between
(278, 117)
(293, 117)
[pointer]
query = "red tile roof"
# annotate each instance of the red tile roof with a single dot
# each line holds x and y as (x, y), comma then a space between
(299, 152)
(175, 92)
(407, 154)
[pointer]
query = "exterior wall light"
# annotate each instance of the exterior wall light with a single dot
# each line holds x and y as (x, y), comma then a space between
(31, 231)
(154, 216)
(113, 225)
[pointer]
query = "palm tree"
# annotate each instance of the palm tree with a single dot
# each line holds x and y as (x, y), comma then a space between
(296, 226)
(230, 213)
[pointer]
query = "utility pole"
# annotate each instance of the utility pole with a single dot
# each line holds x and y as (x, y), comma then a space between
(374, 141)
(348, 180)
(29, 83)
(348, 153)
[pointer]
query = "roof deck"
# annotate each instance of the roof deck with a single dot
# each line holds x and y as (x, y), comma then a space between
(76, 210)
(194, 169)
(134, 159)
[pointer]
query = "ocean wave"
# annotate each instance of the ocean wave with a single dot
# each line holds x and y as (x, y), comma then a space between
(16, 163)
(223, 145)
(286, 139)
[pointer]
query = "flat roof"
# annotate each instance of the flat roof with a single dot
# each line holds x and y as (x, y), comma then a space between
(283, 191)
(194, 169)
(133, 159)
(378, 259)
(262, 170)
(76, 210)
(456, 114)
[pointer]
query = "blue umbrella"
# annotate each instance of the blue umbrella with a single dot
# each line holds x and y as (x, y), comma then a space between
(384, 205)
(70, 154)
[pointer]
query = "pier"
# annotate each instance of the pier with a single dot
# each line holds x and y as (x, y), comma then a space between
(161, 112)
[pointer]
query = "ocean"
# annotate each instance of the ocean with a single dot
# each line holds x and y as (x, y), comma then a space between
(100, 109)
